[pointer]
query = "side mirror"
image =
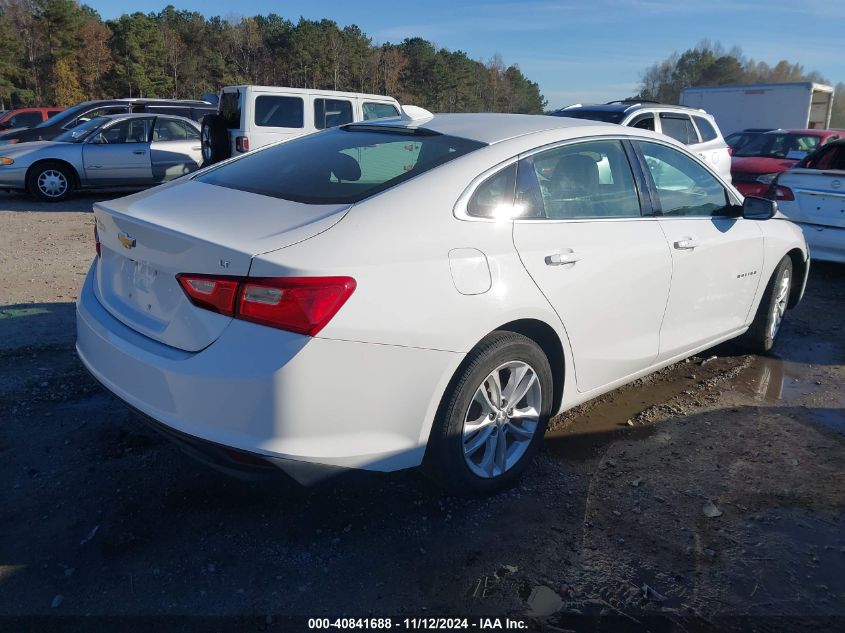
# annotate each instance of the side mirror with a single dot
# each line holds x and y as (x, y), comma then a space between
(754, 208)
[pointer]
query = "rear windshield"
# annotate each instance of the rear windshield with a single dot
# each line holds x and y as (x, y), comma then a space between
(778, 145)
(338, 166)
(607, 116)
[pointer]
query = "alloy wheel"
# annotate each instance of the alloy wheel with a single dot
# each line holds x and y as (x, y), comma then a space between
(779, 304)
(501, 419)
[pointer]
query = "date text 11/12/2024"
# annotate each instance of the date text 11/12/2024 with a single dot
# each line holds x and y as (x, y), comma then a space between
(418, 624)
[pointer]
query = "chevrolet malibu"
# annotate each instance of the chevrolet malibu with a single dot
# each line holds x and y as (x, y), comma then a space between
(425, 290)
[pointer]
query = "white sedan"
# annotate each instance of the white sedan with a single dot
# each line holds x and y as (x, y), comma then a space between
(422, 290)
(812, 195)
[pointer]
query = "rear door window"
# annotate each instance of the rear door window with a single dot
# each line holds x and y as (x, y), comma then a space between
(378, 110)
(679, 127)
(643, 122)
(169, 130)
(582, 181)
(707, 132)
(338, 166)
(331, 113)
(279, 111)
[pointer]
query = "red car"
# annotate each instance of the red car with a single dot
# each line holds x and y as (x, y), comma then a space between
(755, 165)
(26, 117)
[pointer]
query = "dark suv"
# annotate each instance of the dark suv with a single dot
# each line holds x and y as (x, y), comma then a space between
(87, 110)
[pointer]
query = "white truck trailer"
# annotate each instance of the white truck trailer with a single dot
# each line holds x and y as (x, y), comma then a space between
(786, 105)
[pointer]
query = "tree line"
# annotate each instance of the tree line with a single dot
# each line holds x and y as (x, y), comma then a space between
(57, 52)
(711, 65)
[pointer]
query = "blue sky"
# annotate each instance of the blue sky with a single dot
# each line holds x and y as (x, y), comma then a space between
(577, 51)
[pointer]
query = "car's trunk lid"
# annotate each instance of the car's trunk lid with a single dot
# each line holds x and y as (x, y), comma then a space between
(148, 238)
(820, 196)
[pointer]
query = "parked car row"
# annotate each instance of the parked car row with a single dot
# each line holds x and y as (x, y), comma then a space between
(694, 128)
(68, 152)
(110, 151)
(756, 163)
(802, 169)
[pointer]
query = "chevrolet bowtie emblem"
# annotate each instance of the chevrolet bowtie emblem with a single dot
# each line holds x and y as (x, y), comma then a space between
(127, 240)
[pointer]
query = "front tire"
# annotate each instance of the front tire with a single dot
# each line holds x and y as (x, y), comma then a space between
(764, 329)
(50, 182)
(493, 417)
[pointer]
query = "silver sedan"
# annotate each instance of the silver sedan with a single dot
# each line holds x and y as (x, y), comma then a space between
(125, 150)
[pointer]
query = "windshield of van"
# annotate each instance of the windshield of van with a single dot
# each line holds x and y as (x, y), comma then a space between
(338, 166)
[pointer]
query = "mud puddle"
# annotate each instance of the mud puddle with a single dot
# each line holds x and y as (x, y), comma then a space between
(630, 411)
(770, 379)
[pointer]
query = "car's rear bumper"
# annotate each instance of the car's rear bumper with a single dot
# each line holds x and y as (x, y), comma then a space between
(826, 243)
(273, 393)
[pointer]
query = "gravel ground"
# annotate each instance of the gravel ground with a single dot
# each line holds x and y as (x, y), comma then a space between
(709, 495)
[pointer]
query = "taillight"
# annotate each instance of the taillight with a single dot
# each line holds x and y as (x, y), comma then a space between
(297, 304)
(97, 242)
(242, 143)
(730, 151)
(783, 193)
(212, 293)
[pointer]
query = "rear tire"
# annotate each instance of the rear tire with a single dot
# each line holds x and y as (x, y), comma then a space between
(215, 139)
(51, 181)
(481, 443)
(764, 329)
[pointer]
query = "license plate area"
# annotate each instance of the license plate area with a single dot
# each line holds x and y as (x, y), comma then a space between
(143, 276)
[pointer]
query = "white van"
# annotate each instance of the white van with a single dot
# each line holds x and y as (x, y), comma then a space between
(250, 117)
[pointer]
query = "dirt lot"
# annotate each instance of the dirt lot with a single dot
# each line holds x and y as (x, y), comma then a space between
(100, 516)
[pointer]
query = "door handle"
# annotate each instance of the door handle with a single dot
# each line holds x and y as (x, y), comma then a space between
(563, 258)
(197, 148)
(94, 167)
(686, 244)
(139, 152)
